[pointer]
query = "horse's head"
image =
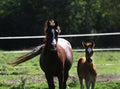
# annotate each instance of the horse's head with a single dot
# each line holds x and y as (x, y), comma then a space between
(51, 31)
(88, 50)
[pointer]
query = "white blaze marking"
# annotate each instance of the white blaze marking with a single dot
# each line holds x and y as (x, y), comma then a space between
(53, 38)
(89, 50)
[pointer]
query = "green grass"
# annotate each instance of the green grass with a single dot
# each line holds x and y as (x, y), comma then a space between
(107, 63)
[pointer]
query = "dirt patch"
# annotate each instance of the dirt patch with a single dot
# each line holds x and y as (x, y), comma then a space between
(37, 79)
(100, 78)
(107, 78)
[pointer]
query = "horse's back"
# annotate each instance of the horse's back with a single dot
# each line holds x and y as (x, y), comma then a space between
(67, 47)
(64, 42)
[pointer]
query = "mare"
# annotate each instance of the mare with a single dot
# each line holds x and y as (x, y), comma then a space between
(86, 68)
(56, 57)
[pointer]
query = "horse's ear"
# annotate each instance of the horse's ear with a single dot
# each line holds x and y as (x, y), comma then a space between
(93, 44)
(46, 25)
(48, 22)
(84, 44)
(56, 23)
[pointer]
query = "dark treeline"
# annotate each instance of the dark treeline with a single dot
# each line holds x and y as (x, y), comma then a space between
(27, 17)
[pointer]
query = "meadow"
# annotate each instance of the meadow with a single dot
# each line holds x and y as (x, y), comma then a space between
(28, 75)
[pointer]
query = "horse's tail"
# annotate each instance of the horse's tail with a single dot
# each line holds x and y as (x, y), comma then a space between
(36, 51)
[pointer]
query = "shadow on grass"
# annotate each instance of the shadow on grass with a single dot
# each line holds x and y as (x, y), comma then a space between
(73, 84)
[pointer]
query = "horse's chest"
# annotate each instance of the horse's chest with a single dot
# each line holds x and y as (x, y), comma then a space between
(50, 62)
(49, 57)
(86, 70)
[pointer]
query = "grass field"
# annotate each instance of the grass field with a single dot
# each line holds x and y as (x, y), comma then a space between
(30, 76)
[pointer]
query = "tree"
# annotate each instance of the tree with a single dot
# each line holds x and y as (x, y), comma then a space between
(27, 17)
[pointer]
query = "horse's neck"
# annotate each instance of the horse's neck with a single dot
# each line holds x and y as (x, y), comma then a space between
(88, 59)
(49, 48)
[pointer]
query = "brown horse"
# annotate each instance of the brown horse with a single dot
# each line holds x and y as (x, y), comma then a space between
(56, 56)
(85, 68)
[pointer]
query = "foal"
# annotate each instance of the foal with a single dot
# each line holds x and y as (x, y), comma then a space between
(85, 68)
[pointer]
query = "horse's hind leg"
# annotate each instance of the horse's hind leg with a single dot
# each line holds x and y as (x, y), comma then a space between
(50, 81)
(62, 80)
(65, 80)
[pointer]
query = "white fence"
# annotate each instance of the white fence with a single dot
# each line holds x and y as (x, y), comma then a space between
(74, 50)
(73, 35)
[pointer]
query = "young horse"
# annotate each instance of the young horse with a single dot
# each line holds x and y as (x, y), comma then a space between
(85, 68)
(56, 56)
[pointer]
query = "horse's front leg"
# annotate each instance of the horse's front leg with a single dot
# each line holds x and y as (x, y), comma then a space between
(50, 81)
(87, 82)
(81, 83)
(60, 79)
(93, 83)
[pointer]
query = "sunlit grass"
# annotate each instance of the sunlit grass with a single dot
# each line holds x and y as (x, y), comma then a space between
(107, 63)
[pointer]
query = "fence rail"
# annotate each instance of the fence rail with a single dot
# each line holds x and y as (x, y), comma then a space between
(74, 50)
(73, 35)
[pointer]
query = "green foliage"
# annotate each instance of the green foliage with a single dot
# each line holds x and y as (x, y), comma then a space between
(27, 17)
